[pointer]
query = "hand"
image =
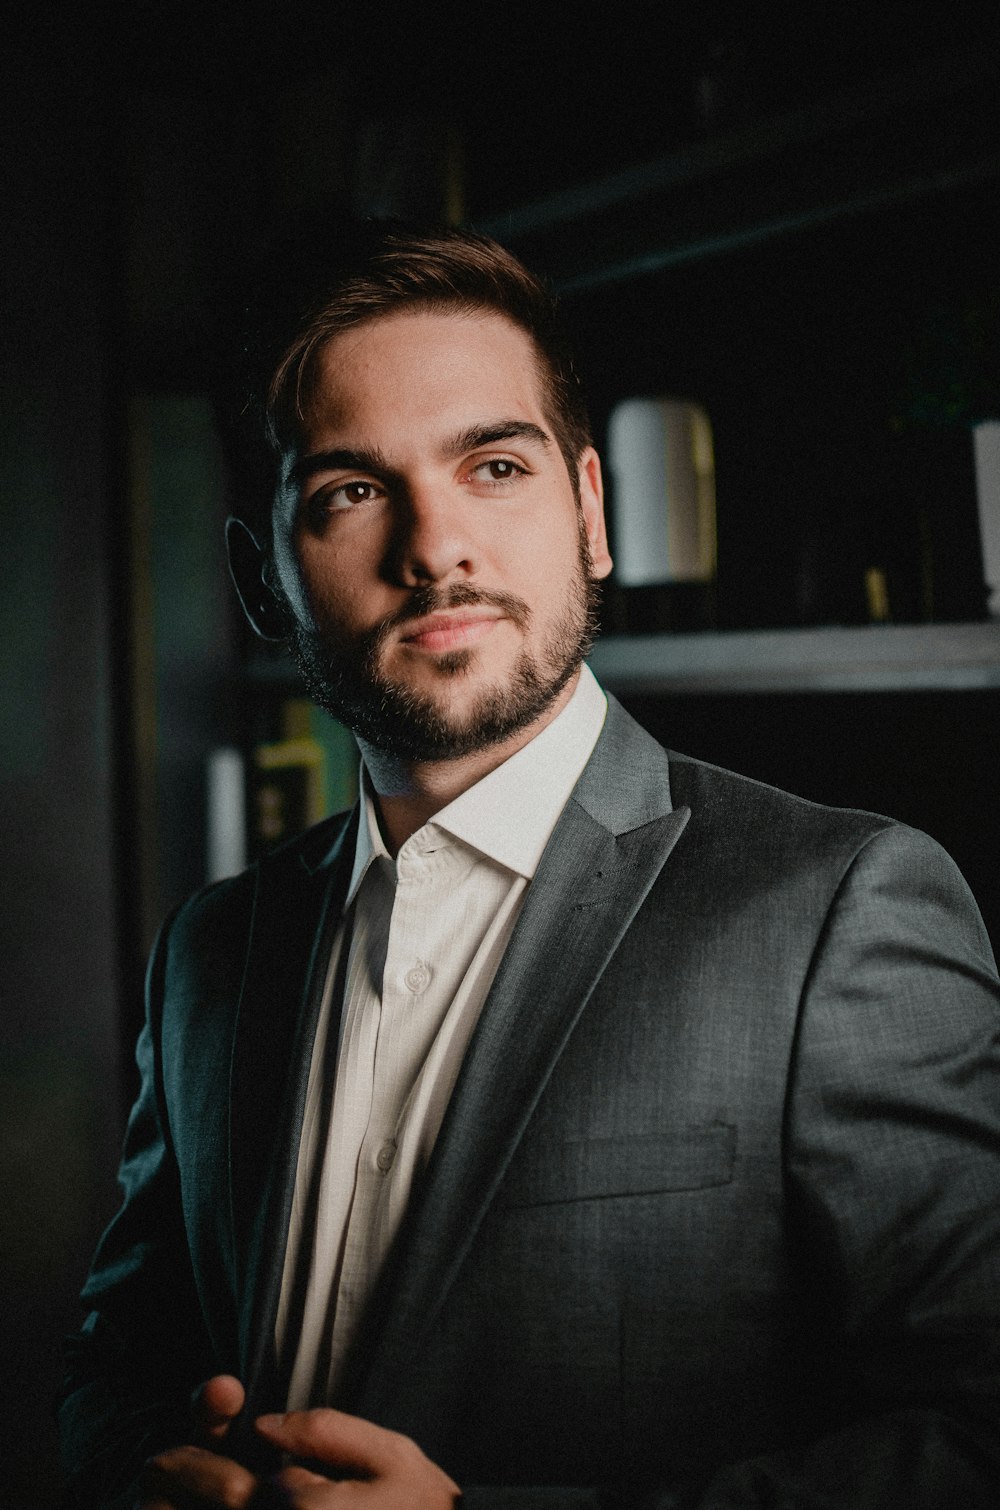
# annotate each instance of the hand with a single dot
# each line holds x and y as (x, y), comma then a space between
(197, 1474)
(385, 1471)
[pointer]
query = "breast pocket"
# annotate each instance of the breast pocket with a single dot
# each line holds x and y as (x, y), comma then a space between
(691, 1158)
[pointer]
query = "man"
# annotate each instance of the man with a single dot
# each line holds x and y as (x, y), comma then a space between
(575, 1124)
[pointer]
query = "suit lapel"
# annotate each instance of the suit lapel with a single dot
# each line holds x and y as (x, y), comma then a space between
(605, 853)
(297, 909)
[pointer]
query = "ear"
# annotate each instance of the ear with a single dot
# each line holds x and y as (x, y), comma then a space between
(592, 506)
(248, 567)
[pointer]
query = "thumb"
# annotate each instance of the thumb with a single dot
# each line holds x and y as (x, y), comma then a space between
(336, 1439)
(215, 1404)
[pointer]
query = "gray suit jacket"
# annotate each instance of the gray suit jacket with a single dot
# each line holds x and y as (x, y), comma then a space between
(714, 1215)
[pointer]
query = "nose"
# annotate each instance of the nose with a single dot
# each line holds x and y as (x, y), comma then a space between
(431, 538)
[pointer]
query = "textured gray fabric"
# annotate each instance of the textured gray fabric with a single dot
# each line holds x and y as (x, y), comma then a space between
(714, 1216)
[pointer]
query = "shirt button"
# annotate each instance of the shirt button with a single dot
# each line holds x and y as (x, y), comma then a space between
(386, 1157)
(417, 977)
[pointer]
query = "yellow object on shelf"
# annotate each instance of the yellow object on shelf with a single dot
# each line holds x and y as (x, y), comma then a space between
(289, 788)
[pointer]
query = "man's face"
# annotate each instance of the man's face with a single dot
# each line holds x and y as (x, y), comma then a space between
(437, 562)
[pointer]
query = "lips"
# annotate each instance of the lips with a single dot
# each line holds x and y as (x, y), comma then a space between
(456, 630)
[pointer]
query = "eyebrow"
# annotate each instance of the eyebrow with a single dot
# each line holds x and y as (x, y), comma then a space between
(489, 434)
(363, 459)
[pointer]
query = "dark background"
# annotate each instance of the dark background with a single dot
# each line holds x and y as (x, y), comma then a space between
(787, 213)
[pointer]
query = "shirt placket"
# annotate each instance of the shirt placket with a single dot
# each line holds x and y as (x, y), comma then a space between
(408, 1018)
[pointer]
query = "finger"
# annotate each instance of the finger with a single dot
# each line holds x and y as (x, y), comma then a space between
(187, 1476)
(296, 1478)
(342, 1441)
(215, 1403)
(300, 1488)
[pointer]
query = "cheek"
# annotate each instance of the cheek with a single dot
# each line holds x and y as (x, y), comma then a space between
(305, 579)
(291, 580)
(549, 564)
(340, 583)
(337, 595)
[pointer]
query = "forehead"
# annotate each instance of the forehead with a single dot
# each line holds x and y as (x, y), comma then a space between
(424, 366)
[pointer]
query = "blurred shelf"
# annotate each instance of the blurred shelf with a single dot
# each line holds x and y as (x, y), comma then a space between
(922, 132)
(883, 658)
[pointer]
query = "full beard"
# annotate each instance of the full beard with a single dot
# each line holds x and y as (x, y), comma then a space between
(345, 676)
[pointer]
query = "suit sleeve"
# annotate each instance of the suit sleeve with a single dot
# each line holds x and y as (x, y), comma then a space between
(893, 1189)
(143, 1347)
(892, 1143)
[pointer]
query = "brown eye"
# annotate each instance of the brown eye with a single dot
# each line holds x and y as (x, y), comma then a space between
(348, 495)
(498, 469)
(356, 492)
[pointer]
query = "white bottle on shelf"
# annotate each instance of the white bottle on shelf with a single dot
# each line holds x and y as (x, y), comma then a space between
(663, 464)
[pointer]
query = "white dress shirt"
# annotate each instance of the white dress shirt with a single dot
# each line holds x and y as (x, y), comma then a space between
(427, 932)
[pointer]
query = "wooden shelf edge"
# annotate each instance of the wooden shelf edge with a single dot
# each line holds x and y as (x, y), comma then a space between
(883, 658)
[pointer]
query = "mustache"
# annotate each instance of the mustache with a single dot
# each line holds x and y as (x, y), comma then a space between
(428, 600)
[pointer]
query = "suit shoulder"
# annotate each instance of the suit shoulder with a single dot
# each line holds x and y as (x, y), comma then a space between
(752, 833)
(728, 811)
(764, 817)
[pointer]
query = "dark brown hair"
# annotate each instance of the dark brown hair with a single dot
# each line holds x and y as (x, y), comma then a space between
(450, 269)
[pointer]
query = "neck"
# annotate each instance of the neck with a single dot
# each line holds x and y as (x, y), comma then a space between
(409, 793)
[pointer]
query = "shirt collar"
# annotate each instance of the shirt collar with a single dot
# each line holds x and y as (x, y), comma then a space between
(509, 815)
